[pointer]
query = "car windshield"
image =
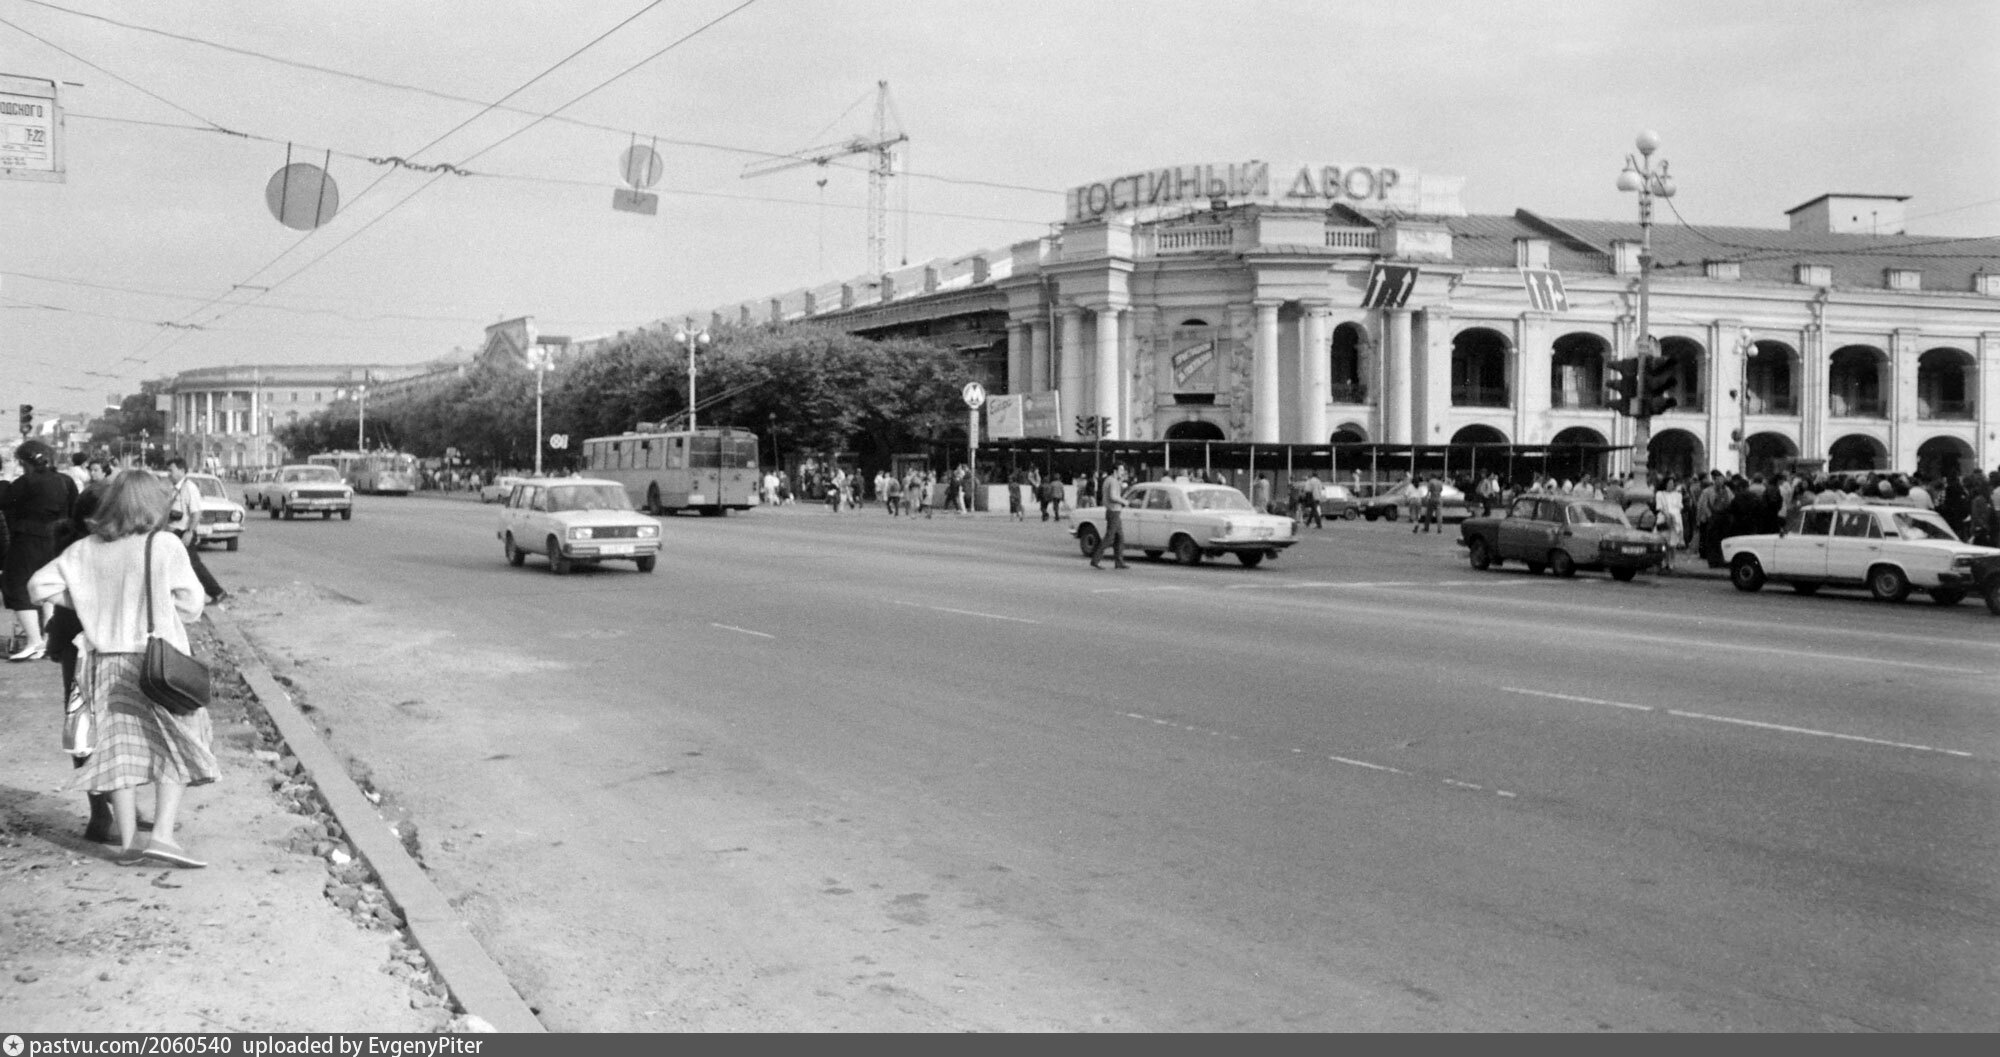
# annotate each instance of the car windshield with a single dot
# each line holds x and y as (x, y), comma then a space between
(588, 497)
(210, 487)
(1217, 499)
(1597, 513)
(1924, 525)
(312, 475)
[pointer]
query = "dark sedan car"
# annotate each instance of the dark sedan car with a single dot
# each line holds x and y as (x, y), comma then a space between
(1986, 577)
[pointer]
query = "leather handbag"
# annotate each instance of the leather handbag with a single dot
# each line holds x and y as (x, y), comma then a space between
(169, 678)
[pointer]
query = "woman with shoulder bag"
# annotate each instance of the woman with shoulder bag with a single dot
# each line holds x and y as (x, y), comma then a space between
(104, 579)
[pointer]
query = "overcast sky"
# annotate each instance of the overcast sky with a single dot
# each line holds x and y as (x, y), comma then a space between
(149, 258)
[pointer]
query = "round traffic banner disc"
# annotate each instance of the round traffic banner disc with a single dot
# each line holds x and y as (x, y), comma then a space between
(302, 196)
(641, 165)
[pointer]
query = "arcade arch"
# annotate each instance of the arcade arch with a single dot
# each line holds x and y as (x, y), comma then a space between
(1941, 457)
(1763, 453)
(1576, 371)
(1854, 384)
(1690, 362)
(1195, 429)
(1857, 451)
(1945, 385)
(1677, 452)
(1479, 368)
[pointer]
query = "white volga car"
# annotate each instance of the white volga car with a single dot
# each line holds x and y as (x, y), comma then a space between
(1890, 550)
(302, 489)
(1194, 521)
(576, 521)
(221, 517)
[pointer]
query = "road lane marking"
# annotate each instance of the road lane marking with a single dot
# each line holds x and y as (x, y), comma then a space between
(1759, 724)
(1134, 590)
(969, 613)
(1347, 760)
(745, 631)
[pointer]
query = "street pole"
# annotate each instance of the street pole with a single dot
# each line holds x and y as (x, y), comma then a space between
(1640, 176)
(361, 421)
(541, 368)
(690, 340)
(1746, 350)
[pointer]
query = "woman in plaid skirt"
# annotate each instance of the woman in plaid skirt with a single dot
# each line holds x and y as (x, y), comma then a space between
(103, 578)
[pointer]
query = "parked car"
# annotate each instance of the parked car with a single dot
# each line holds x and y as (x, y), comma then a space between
(1338, 500)
(1562, 533)
(221, 518)
(1402, 501)
(304, 489)
(498, 489)
(1890, 550)
(576, 521)
(1194, 521)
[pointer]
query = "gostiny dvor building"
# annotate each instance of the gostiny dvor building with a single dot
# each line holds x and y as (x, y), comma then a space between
(1308, 304)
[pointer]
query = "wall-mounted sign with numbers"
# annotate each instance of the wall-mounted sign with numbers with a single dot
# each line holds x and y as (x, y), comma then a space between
(30, 130)
(1389, 286)
(1545, 289)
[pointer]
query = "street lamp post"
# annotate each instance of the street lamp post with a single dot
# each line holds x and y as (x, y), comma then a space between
(691, 340)
(1746, 350)
(361, 420)
(1647, 181)
(541, 369)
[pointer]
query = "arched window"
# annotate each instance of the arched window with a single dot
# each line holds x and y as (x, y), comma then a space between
(1854, 384)
(1479, 368)
(1576, 371)
(1350, 382)
(1944, 389)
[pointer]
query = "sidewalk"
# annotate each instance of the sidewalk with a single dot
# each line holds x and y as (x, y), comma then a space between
(258, 941)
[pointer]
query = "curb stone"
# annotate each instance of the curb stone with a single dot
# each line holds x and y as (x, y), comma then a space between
(480, 988)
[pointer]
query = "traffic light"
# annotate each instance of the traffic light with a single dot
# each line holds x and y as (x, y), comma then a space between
(1657, 391)
(27, 419)
(1622, 382)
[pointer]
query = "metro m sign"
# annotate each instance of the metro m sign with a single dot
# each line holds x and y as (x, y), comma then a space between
(1545, 289)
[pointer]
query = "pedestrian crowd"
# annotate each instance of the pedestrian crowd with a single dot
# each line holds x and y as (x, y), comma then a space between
(96, 561)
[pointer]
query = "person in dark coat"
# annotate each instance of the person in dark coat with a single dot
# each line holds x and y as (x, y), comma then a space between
(37, 508)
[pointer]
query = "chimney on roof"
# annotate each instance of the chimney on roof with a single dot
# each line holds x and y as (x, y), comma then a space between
(1838, 214)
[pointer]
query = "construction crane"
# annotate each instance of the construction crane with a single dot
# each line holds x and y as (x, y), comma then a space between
(881, 166)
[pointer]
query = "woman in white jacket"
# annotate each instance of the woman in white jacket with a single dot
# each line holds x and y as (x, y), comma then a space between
(102, 577)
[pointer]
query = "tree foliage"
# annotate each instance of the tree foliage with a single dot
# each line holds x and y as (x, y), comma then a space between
(813, 389)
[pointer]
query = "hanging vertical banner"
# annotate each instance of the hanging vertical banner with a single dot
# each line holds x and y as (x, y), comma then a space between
(1194, 361)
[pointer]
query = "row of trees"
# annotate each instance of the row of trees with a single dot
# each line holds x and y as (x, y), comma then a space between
(805, 388)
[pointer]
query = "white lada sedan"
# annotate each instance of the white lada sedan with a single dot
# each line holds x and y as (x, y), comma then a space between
(1890, 550)
(1194, 521)
(576, 521)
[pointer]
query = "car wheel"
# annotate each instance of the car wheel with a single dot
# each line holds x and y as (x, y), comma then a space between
(1746, 574)
(1185, 551)
(1389, 514)
(1087, 539)
(559, 562)
(1250, 559)
(1350, 514)
(1944, 596)
(646, 563)
(1562, 564)
(1154, 555)
(290, 513)
(272, 509)
(1624, 574)
(1888, 584)
(1806, 589)
(347, 515)
(231, 545)
(1993, 596)
(1482, 555)
(515, 555)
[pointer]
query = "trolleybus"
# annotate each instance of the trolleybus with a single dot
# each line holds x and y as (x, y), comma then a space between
(666, 471)
(373, 472)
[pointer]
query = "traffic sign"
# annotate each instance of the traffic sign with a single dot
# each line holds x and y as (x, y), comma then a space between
(643, 202)
(559, 441)
(1389, 286)
(641, 166)
(1545, 289)
(975, 395)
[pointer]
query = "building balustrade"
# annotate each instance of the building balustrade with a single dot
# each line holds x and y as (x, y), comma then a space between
(1194, 239)
(1350, 393)
(1928, 408)
(1840, 406)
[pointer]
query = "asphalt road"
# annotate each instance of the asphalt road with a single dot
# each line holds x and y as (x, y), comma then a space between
(844, 772)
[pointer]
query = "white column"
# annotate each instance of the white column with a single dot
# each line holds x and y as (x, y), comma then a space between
(1318, 387)
(1069, 357)
(1264, 375)
(1104, 383)
(1396, 402)
(1038, 355)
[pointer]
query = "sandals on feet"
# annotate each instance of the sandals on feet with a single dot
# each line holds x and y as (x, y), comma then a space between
(171, 854)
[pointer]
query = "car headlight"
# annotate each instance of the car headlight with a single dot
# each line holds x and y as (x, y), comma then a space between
(1961, 561)
(581, 533)
(236, 515)
(647, 532)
